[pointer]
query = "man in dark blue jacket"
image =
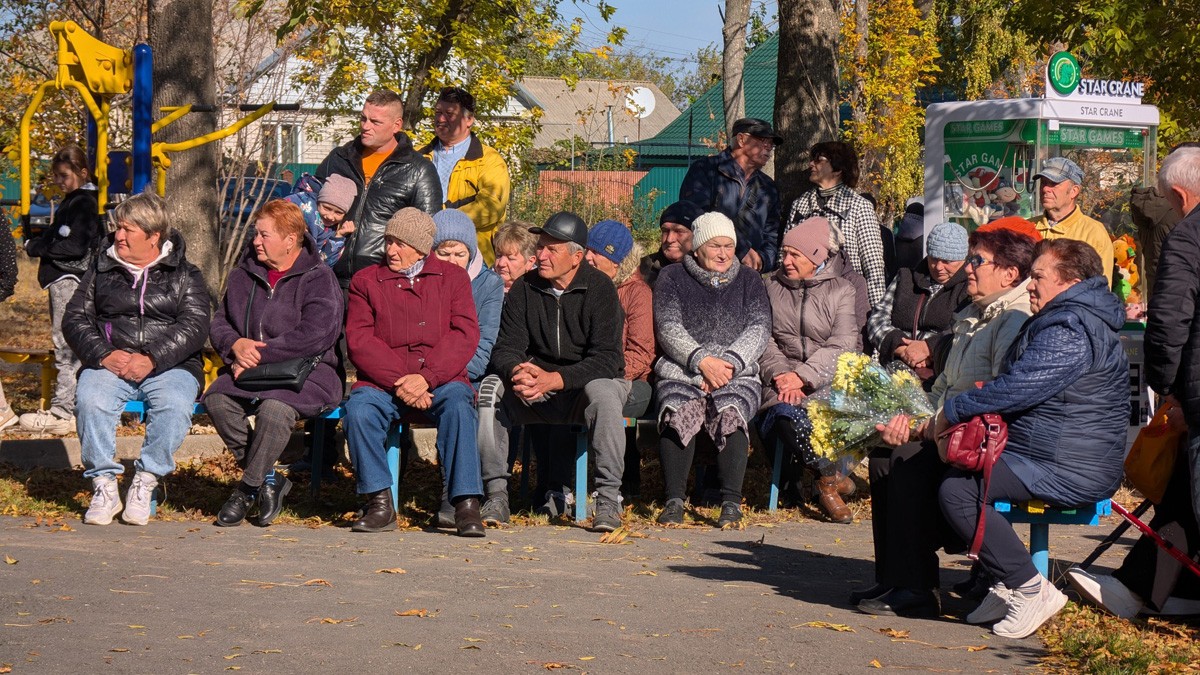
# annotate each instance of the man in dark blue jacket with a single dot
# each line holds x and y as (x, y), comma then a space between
(733, 183)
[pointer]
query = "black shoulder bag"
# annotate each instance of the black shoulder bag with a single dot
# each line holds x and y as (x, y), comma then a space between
(289, 375)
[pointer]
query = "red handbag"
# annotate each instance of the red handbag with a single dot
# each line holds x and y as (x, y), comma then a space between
(974, 446)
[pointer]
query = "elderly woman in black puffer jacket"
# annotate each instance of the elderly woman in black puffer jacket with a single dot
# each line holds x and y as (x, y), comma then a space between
(137, 324)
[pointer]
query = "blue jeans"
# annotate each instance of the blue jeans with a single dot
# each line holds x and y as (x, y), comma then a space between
(371, 412)
(99, 400)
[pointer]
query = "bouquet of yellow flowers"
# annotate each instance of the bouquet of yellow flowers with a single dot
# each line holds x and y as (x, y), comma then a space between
(863, 394)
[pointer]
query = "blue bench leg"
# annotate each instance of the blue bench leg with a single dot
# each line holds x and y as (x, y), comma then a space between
(318, 457)
(776, 476)
(523, 438)
(393, 459)
(581, 462)
(1039, 547)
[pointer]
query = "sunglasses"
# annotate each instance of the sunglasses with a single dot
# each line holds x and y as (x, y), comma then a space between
(978, 261)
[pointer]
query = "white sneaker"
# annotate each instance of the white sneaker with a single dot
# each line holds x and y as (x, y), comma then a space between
(1027, 614)
(7, 418)
(137, 499)
(1106, 592)
(106, 501)
(994, 606)
(46, 422)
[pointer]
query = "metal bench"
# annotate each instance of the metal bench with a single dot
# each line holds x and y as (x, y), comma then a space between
(581, 464)
(1041, 516)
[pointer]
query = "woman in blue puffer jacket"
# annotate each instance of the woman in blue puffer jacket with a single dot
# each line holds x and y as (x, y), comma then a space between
(1063, 390)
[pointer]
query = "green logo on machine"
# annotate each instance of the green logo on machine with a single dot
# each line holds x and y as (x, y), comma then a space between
(1063, 72)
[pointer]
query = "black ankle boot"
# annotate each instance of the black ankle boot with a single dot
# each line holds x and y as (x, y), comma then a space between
(235, 509)
(379, 515)
(467, 519)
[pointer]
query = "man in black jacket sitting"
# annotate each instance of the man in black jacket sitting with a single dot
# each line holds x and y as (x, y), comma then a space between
(560, 355)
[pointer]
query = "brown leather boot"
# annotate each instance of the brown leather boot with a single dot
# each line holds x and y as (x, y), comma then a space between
(845, 485)
(466, 518)
(831, 501)
(379, 515)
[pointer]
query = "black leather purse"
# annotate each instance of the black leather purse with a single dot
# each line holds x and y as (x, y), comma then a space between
(289, 375)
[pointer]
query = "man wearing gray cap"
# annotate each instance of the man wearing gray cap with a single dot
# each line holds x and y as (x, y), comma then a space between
(560, 354)
(1062, 183)
(732, 182)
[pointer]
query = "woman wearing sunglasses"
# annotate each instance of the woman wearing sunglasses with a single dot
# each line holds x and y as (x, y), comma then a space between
(906, 562)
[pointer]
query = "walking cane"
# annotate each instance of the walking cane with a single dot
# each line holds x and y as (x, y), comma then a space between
(1114, 536)
(1165, 545)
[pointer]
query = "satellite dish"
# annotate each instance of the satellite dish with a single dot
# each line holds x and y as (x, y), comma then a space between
(640, 102)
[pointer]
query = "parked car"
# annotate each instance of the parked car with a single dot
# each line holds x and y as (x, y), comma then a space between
(243, 196)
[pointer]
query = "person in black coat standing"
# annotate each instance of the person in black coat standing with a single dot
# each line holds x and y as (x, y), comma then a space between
(138, 324)
(390, 175)
(1173, 330)
(65, 248)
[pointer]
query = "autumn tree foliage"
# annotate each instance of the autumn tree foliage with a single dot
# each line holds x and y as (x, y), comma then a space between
(1155, 41)
(882, 85)
(418, 46)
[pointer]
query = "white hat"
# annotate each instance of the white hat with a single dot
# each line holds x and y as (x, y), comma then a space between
(712, 224)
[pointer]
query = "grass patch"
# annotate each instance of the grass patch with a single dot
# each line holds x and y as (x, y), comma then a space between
(1085, 640)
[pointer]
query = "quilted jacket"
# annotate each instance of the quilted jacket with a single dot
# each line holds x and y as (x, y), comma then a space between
(1064, 392)
(404, 179)
(163, 313)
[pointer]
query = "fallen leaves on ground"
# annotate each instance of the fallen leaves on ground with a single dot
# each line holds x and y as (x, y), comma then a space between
(615, 537)
(391, 570)
(318, 582)
(317, 619)
(839, 627)
(413, 612)
(9, 560)
(893, 633)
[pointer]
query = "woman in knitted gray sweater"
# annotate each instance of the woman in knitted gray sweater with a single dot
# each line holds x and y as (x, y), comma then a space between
(713, 321)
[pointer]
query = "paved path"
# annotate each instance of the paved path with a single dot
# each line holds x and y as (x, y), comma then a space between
(180, 597)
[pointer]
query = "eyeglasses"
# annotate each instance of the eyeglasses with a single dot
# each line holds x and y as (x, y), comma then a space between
(978, 261)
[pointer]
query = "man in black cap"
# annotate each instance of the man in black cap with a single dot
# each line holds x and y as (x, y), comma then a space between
(676, 225)
(733, 183)
(560, 355)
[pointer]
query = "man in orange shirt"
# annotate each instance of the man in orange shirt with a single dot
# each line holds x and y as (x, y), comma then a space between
(389, 174)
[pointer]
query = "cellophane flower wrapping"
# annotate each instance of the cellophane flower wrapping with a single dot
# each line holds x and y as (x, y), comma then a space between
(863, 394)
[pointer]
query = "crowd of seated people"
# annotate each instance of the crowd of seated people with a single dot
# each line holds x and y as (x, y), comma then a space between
(572, 325)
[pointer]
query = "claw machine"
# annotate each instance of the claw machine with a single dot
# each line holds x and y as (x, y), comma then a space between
(981, 156)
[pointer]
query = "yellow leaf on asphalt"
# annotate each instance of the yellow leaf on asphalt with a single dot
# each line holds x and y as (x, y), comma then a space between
(978, 648)
(8, 559)
(134, 625)
(232, 657)
(475, 640)
(839, 627)
(318, 582)
(875, 663)
(586, 658)
(413, 612)
(646, 573)
(892, 633)
(267, 651)
(391, 570)
(233, 668)
(118, 649)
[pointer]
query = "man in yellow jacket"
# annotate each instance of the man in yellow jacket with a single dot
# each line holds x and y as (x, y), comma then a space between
(1060, 188)
(474, 176)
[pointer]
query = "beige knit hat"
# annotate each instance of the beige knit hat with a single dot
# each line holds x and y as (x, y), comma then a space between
(712, 224)
(413, 227)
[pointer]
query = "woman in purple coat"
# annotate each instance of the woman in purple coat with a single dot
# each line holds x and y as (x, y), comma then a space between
(282, 302)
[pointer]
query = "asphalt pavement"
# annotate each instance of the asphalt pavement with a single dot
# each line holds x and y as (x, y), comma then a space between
(187, 597)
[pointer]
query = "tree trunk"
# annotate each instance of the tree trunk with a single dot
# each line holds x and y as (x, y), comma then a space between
(806, 90)
(733, 61)
(183, 74)
(861, 24)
